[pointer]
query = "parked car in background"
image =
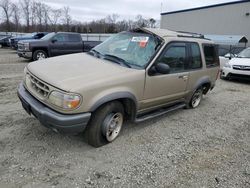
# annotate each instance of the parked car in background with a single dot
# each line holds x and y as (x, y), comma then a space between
(53, 44)
(237, 67)
(226, 53)
(4, 40)
(135, 75)
(88, 45)
(14, 40)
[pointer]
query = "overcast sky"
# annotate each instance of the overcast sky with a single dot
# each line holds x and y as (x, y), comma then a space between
(87, 10)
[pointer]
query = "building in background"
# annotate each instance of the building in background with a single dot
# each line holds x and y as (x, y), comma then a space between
(231, 18)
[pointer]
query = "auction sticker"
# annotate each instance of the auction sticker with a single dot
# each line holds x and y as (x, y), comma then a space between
(141, 40)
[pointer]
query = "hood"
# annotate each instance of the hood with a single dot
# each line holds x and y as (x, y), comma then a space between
(240, 61)
(72, 72)
(22, 38)
(28, 40)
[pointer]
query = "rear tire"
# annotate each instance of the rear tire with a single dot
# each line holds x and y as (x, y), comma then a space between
(105, 124)
(196, 98)
(39, 55)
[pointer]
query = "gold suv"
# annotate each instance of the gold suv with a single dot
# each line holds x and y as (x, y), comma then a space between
(134, 75)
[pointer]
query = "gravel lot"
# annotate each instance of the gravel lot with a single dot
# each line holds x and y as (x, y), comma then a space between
(205, 147)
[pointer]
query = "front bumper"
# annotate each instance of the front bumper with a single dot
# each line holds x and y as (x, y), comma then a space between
(63, 123)
(24, 54)
(226, 72)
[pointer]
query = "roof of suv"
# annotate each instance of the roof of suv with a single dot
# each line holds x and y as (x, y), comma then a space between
(163, 33)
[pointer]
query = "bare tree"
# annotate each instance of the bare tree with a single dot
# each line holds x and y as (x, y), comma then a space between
(39, 14)
(55, 14)
(16, 16)
(26, 11)
(112, 18)
(33, 14)
(152, 22)
(6, 5)
(111, 21)
(141, 22)
(45, 13)
(66, 17)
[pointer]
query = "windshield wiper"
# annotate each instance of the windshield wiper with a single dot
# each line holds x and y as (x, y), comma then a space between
(95, 52)
(116, 59)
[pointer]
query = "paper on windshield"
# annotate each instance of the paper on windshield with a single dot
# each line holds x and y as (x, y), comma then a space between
(141, 40)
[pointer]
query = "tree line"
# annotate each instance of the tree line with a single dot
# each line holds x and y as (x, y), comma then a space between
(34, 16)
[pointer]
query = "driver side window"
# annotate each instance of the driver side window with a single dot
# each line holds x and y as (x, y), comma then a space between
(60, 38)
(175, 57)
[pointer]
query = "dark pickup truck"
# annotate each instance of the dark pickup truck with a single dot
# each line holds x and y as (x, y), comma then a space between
(53, 44)
(35, 36)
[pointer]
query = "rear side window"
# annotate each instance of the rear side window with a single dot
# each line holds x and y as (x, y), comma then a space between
(196, 61)
(73, 38)
(211, 57)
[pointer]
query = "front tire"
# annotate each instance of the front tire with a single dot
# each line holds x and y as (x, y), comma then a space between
(105, 124)
(39, 55)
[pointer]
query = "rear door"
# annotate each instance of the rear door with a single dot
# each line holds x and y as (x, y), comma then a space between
(73, 44)
(161, 89)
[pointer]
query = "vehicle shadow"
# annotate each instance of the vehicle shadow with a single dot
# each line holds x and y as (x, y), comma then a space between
(238, 81)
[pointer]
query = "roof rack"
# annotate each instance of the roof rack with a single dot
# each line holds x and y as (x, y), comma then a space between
(191, 34)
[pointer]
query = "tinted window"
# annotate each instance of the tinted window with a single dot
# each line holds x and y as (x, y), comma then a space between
(211, 58)
(40, 35)
(174, 57)
(73, 38)
(196, 61)
(60, 37)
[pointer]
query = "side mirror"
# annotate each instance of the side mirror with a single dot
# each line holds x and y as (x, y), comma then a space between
(162, 68)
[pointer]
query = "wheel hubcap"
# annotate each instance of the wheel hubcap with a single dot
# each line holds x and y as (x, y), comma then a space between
(40, 56)
(196, 98)
(112, 126)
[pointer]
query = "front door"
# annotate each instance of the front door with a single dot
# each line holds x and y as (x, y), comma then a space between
(161, 89)
(57, 45)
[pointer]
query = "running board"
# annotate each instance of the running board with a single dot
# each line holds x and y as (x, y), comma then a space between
(159, 112)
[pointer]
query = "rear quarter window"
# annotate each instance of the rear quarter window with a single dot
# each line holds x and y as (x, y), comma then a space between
(196, 62)
(211, 55)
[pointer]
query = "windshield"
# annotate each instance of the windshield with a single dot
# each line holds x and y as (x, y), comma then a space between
(245, 53)
(132, 48)
(29, 35)
(48, 36)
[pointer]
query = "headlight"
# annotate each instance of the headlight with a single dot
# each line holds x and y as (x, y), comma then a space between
(65, 101)
(26, 46)
(227, 65)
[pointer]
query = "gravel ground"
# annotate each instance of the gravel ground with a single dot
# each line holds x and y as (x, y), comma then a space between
(205, 147)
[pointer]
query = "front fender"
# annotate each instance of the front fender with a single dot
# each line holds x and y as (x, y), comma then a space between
(112, 97)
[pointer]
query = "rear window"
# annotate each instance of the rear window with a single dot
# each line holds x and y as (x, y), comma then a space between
(73, 38)
(211, 55)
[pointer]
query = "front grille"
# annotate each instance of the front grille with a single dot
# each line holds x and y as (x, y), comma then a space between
(241, 67)
(38, 87)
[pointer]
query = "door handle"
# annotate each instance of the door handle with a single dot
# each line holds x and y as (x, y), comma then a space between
(183, 77)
